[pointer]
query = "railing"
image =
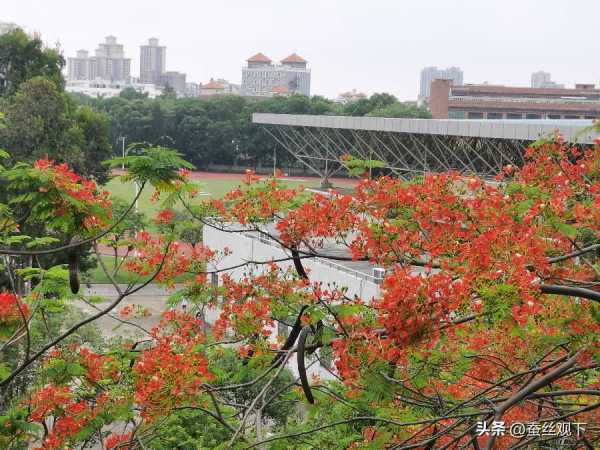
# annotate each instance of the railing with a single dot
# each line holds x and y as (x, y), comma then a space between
(327, 262)
(555, 100)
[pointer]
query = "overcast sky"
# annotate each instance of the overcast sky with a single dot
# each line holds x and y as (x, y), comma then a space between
(373, 46)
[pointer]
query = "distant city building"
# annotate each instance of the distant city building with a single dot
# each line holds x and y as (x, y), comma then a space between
(351, 96)
(107, 89)
(192, 89)
(109, 63)
(7, 27)
(541, 79)
(219, 87)
(79, 67)
(262, 78)
(484, 101)
(176, 80)
(153, 61)
(429, 74)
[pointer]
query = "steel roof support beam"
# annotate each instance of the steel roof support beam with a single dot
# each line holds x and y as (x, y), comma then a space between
(292, 148)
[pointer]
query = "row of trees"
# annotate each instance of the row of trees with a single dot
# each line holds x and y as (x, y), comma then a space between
(220, 130)
(39, 118)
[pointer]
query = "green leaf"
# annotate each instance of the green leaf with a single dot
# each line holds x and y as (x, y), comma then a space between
(4, 371)
(568, 230)
(42, 241)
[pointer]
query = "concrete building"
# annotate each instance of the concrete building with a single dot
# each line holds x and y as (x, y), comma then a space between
(219, 87)
(212, 88)
(108, 89)
(79, 67)
(176, 80)
(474, 101)
(429, 74)
(109, 63)
(192, 89)
(7, 27)
(541, 79)
(351, 97)
(262, 78)
(357, 277)
(153, 60)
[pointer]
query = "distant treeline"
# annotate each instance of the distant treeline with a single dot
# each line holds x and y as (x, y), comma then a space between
(220, 130)
(39, 119)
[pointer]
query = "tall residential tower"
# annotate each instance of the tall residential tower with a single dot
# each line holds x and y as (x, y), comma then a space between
(153, 59)
(7, 27)
(429, 74)
(109, 63)
(541, 79)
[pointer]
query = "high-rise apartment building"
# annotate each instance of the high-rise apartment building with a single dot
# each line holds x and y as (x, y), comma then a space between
(429, 74)
(262, 78)
(541, 79)
(153, 59)
(79, 67)
(7, 27)
(109, 63)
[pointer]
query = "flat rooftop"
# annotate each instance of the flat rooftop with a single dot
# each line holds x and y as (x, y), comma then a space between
(528, 130)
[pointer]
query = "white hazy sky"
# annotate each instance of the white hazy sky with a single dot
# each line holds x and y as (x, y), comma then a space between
(373, 46)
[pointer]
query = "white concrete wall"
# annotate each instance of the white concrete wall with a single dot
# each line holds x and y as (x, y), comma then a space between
(245, 248)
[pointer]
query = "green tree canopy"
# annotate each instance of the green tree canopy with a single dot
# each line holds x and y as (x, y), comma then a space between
(42, 121)
(23, 57)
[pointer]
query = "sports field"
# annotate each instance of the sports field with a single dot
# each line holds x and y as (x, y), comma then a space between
(212, 185)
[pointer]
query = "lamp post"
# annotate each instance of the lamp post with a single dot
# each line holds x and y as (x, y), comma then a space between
(137, 191)
(274, 162)
(122, 139)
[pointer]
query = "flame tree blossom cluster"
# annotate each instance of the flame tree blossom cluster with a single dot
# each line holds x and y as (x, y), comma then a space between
(489, 312)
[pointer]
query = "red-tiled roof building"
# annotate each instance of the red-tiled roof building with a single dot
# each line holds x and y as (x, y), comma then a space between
(262, 78)
(218, 87)
(258, 59)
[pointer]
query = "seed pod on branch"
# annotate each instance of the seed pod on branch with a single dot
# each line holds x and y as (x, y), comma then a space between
(74, 266)
(302, 366)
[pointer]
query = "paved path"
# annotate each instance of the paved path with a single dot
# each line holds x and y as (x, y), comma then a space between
(152, 297)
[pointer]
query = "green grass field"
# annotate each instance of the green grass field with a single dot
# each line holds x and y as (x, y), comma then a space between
(97, 275)
(217, 188)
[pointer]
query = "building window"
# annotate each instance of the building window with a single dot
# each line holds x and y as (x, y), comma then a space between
(456, 114)
(533, 116)
(494, 115)
(554, 116)
(474, 115)
(514, 116)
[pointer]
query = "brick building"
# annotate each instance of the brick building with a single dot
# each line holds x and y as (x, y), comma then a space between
(473, 101)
